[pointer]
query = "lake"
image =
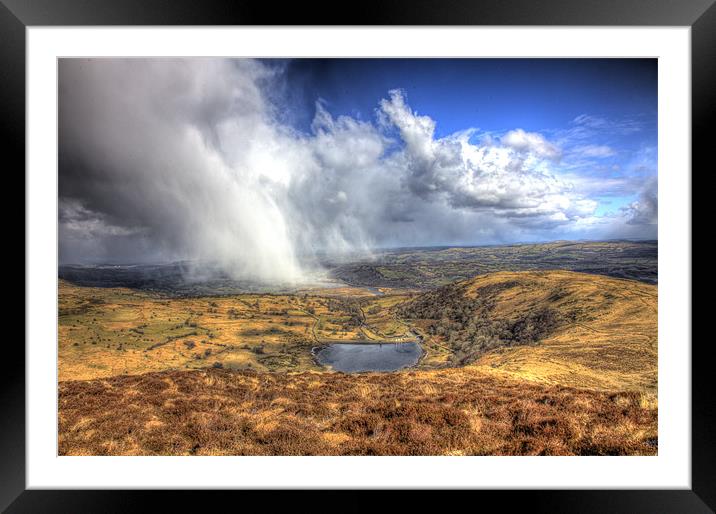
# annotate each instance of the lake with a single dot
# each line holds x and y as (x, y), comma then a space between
(355, 357)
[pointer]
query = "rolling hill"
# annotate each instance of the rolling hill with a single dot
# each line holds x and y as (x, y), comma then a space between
(557, 327)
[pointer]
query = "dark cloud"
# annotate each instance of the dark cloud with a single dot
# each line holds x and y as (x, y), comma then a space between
(645, 211)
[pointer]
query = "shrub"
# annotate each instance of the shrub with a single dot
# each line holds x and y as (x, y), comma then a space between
(468, 326)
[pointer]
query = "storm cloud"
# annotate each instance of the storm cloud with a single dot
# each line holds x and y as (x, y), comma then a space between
(645, 211)
(168, 159)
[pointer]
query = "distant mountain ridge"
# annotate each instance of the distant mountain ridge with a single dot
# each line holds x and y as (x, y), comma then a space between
(422, 269)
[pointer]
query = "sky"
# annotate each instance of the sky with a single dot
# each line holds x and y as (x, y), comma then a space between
(261, 165)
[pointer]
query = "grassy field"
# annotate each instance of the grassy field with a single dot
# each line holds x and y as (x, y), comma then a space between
(113, 331)
(539, 362)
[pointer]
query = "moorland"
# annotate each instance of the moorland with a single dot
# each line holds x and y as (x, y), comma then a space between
(527, 349)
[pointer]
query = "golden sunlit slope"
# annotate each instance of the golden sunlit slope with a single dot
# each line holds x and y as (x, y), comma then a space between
(557, 327)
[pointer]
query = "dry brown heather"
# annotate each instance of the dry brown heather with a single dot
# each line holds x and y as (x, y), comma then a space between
(446, 412)
(136, 374)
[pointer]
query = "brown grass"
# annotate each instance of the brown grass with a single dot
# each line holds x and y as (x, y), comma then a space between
(447, 412)
(611, 345)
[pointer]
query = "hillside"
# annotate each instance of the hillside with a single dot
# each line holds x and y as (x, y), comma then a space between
(105, 332)
(557, 327)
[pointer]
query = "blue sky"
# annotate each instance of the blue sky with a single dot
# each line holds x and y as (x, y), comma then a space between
(490, 94)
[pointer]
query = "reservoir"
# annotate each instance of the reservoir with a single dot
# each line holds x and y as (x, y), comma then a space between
(355, 357)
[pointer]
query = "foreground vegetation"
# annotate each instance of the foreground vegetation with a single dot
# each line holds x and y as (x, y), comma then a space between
(446, 412)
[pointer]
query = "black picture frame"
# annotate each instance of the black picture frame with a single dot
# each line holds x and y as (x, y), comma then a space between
(16, 15)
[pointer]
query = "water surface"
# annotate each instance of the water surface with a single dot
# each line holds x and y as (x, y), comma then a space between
(354, 357)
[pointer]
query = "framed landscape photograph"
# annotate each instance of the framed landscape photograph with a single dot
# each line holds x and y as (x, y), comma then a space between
(355, 256)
